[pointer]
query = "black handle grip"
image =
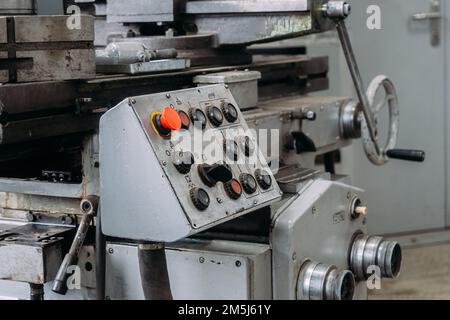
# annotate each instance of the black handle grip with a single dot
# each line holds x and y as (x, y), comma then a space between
(409, 155)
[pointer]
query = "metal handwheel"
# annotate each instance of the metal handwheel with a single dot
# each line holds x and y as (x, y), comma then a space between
(338, 11)
(377, 153)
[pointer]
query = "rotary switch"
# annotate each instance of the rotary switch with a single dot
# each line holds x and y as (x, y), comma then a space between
(248, 182)
(198, 118)
(183, 161)
(215, 116)
(230, 112)
(200, 198)
(233, 189)
(212, 174)
(263, 178)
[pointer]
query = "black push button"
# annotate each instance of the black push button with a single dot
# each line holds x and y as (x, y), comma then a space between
(215, 116)
(248, 182)
(198, 118)
(263, 178)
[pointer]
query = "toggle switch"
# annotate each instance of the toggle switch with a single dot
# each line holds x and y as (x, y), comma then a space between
(211, 174)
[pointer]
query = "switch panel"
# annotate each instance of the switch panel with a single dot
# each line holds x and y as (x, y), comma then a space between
(162, 175)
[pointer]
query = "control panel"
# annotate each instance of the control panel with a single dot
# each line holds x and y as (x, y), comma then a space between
(177, 163)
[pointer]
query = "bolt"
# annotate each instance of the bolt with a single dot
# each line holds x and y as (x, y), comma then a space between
(110, 250)
(30, 217)
(164, 163)
(168, 95)
(238, 263)
(219, 200)
(201, 260)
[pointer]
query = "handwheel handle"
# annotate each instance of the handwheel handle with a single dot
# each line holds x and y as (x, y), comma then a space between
(408, 155)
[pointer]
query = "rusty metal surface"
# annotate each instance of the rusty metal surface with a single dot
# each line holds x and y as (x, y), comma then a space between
(31, 253)
(52, 29)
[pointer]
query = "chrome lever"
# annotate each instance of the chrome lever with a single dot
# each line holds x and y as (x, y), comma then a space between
(435, 21)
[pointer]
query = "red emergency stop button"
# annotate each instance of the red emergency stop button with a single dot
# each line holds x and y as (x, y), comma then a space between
(166, 121)
(170, 119)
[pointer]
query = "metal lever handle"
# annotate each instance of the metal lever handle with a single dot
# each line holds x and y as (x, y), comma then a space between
(338, 11)
(427, 16)
(434, 17)
(89, 208)
(408, 155)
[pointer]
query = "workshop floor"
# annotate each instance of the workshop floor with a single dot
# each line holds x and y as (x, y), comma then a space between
(425, 275)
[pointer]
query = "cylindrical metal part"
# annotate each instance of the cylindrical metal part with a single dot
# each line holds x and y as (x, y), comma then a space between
(337, 9)
(350, 120)
(369, 252)
(131, 52)
(36, 292)
(318, 281)
(154, 272)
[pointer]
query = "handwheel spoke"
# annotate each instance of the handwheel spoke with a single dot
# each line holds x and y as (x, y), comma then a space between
(383, 103)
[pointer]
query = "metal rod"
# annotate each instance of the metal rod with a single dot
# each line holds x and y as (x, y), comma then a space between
(357, 80)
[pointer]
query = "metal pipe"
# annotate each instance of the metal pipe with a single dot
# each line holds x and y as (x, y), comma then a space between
(154, 272)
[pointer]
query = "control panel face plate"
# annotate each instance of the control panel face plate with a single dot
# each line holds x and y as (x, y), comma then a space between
(208, 146)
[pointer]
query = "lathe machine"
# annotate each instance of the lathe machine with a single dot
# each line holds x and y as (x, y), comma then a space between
(178, 149)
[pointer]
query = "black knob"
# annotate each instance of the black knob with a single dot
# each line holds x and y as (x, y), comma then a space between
(264, 179)
(233, 189)
(230, 112)
(200, 198)
(409, 155)
(231, 149)
(248, 182)
(183, 161)
(198, 118)
(215, 116)
(211, 174)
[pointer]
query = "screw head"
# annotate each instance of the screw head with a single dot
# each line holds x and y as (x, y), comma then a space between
(110, 250)
(201, 260)
(238, 263)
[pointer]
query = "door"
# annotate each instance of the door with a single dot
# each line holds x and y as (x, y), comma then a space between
(404, 196)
